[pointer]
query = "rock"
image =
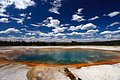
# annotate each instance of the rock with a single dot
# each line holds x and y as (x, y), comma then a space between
(69, 74)
(99, 72)
(38, 73)
(10, 71)
(79, 79)
(50, 73)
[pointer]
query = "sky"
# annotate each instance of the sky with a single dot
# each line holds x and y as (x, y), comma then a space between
(59, 20)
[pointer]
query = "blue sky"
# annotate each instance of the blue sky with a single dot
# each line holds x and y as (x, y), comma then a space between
(60, 20)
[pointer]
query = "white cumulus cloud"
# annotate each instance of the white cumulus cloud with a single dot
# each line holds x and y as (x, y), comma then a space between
(78, 17)
(110, 32)
(23, 15)
(73, 28)
(19, 4)
(53, 23)
(23, 4)
(92, 31)
(113, 24)
(79, 11)
(89, 32)
(4, 15)
(94, 18)
(59, 29)
(56, 6)
(60, 34)
(30, 34)
(4, 20)
(88, 26)
(36, 25)
(19, 20)
(50, 22)
(112, 14)
(10, 30)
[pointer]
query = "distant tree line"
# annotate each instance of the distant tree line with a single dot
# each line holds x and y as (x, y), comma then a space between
(73, 43)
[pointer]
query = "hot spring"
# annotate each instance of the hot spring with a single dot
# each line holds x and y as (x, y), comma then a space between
(65, 56)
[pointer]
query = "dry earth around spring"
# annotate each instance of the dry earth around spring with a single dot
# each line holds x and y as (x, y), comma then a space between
(15, 71)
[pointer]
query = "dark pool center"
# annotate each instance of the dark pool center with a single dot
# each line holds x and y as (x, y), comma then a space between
(66, 56)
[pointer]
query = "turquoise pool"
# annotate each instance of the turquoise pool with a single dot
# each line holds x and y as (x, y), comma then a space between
(66, 56)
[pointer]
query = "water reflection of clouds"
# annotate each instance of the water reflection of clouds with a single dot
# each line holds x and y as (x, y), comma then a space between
(61, 56)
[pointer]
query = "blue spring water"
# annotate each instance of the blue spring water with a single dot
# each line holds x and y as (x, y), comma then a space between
(73, 56)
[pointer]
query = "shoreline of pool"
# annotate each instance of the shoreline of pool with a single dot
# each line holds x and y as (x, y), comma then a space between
(110, 48)
(32, 64)
(106, 48)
